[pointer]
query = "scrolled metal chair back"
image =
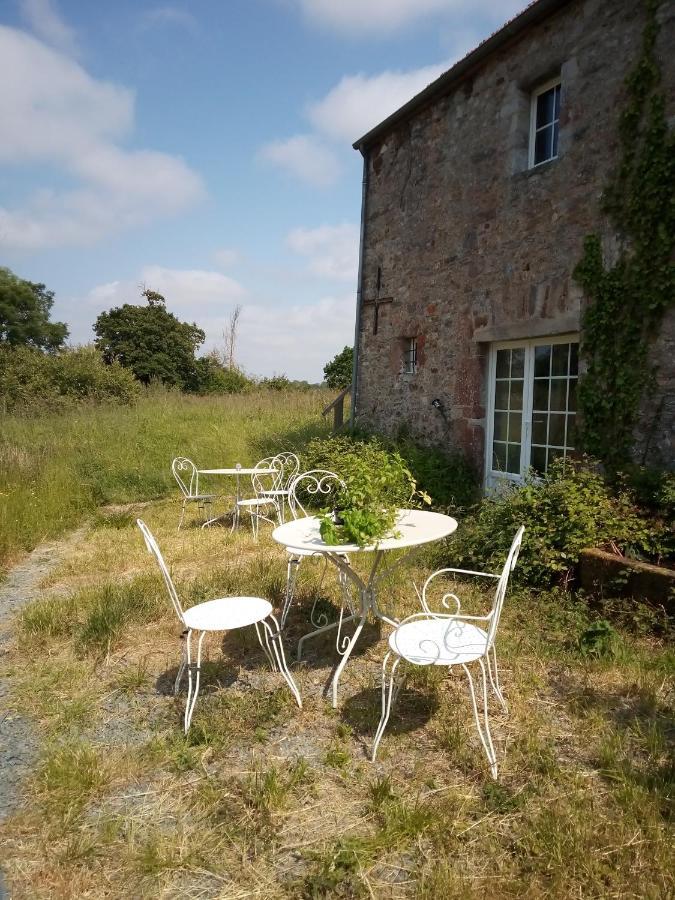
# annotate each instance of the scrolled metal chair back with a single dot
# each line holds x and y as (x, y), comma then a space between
(317, 484)
(185, 473)
(152, 547)
(287, 465)
(264, 482)
(503, 583)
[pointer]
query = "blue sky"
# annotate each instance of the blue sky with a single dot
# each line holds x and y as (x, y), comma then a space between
(203, 149)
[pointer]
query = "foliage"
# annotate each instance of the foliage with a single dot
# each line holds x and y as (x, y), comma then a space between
(377, 480)
(570, 508)
(449, 479)
(214, 378)
(338, 372)
(31, 380)
(151, 341)
(276, 383)
(598, 639)
(629, 299)
(24, 314)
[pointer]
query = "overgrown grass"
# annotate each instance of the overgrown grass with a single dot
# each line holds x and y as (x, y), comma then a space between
(56, 469)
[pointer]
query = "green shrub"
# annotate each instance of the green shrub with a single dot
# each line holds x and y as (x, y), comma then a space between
(448, 478)
(30, 378)
(213, 378)
(275, 383)
(572, 507)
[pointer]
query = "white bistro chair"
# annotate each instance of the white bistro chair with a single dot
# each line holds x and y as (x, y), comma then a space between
(263, 505)
(186, 474)
(222, 614)
(452, 639)
(317, 487)
(287, 466)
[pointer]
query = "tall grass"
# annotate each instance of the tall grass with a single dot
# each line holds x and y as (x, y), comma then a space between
(57, 468)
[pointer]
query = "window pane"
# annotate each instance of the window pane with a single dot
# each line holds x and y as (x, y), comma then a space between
(545, 107)
(538, 459)
(556, 430)
(556, 112)
(559, 359)
(513, 459)
(539, 428)
(574, 359)
(554, 146)
(542, 145)
(516, 401)
(501, 422)
(540, 399)
(554, 453)
(572, 399)
(515, 426)
(517, 363)
(503, 357)
(502, 395)
(571, 432)
(499, 457)
(559, 393)
(542, 361)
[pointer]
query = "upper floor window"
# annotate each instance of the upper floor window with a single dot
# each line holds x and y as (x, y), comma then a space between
(409, 366)
(544, 123)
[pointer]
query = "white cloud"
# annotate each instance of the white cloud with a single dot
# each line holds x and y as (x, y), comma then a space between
(374, 17)
(53, 112)
(359, 102)
(273, 337)
(226, 257)
(305, 157)
(168, 15)
(44, 20)
(332, 250)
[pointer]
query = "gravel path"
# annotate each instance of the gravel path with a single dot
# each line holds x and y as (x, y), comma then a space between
(18, 748)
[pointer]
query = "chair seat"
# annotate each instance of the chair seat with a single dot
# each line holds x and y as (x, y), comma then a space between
(441, 642)
(226, 613)
(282, 492)
(200, 497)
(254, 501)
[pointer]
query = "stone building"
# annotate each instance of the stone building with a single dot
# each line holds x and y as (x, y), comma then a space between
(477, 196)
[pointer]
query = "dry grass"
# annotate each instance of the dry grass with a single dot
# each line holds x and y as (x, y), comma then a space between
(265, 800)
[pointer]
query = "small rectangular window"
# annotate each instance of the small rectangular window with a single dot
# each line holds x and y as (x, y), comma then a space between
(545, 123)
(410, 356)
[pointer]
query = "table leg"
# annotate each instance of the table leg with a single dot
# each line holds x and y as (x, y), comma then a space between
(235, 513)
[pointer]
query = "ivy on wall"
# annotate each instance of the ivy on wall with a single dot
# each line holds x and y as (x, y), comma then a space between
(627, 301)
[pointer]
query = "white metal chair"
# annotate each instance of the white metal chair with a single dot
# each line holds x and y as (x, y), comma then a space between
(287, 466)
(263, 504)
(452, 639)
(318, 487)
(221, 614)
(186, 474)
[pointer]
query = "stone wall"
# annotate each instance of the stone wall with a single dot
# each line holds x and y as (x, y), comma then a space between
(474, 246)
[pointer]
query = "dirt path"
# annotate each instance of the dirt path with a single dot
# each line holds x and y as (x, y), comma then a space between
(18, 749)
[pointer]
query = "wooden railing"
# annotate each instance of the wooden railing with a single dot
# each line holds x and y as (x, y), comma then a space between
(338, 407)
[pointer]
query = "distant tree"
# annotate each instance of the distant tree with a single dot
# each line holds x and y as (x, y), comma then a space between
(151, 342)
(338, 372)
(24, 314)
(230, 337)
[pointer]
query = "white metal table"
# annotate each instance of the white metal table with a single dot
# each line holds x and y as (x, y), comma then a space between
(237, 471)
(414, 527)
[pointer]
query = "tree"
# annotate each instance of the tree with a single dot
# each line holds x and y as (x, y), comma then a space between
(230, 337)
(24, 314)
(338, 372)
(151, 342)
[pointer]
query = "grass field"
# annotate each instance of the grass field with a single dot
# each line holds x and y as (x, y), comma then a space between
(265, 800)
(56, 469)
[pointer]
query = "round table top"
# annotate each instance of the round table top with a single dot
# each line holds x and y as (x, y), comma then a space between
(415, 526)
(240, 471)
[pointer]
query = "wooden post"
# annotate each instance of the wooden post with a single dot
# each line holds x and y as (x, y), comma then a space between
(338, 407)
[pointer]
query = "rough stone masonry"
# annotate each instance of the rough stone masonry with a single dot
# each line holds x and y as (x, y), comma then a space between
(474, 245)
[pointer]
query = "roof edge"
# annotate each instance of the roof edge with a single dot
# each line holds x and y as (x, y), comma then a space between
(531, 15)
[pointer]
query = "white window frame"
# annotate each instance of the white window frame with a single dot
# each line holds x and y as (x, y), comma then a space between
(547, 86)
(494, 478)
(410, 351)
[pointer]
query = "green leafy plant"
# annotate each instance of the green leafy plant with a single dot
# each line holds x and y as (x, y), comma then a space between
(599, 639)
(629, 299)
(377, 483)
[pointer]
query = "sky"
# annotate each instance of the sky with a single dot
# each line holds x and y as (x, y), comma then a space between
(202, 149)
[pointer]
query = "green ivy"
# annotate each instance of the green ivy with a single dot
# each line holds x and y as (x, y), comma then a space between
(628, 301)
